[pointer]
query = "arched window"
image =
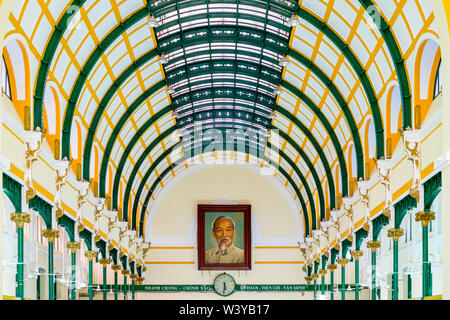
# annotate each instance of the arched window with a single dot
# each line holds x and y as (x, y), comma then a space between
(6, 85)
(437, 82)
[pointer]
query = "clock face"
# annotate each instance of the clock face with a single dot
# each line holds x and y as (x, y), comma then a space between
(224, 284)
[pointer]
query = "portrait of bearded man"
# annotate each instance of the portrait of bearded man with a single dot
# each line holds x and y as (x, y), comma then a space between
(224, 231)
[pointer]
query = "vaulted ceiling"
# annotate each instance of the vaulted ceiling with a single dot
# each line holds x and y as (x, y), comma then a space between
(312, 74)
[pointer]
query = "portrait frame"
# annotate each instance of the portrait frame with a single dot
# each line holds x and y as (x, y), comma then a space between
(205, 210)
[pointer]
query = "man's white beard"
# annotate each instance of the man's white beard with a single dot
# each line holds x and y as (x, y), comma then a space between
(223, 247)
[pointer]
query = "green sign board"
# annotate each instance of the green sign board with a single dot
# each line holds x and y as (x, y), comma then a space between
(239, 288)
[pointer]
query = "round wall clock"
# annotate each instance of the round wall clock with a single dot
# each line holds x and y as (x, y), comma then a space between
(224, 284)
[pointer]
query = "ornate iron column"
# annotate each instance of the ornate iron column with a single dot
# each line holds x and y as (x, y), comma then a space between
(51, 235)
(116, 268)
(104, 263)
(125, 274)
(395, 234)
(343, 262)
(356, 255)
(91, 255)
(133, 278)
(20, 219)
(73, 247)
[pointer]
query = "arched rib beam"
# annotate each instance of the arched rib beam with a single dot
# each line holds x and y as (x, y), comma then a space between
(286, 113)
(224, 147)
(171, 167)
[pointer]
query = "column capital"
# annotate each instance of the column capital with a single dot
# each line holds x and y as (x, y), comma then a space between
(357, 253)
(20, 219)
(104, 262)
(91, 255)
(331, 267)
(140, 280)
(395, 234)
(133, 276)
(373, 245)
(323, 272)
(116, 267)
(343, 261)
(51, 235)
(125, 272)
(308, 279)
(73, 246)
(314, 276)
(425, 217)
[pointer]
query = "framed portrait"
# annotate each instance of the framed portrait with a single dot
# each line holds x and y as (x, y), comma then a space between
(224, 237)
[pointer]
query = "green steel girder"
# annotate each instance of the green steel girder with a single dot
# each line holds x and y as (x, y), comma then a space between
(219, 15)
(320, 152)
(377, 224)
(124, 261)
(282, 7)
(244, 35)
(310, 167)
(101, 245)
(136, 167)
(283, 172)
(361, 234)
(316, 267)
(308, 270)
(295, 120)
(113, 254)
(44, 65)
(224, 93)
(156, 163)
(222, 146)
(221, 115)
(69, 225)
(346, 244)
(86, 235)
(343, 105)
(139, 271)
(44, 209)
(87, 68)
(13, 190)
(397, 58)
(333, 256)
(432, 188)
(324, 262)
(328, 128)
(246, 68)
(132, 267)
(401, 209)
(323, 27)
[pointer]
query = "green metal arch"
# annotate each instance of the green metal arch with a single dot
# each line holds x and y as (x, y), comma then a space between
(342, 103)
(282, 154)
(397, 58)
(360, 71)
(87, 68)
(306, 131)
(46, 61)
(134, 140)
(168, 169)
(137, 165)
